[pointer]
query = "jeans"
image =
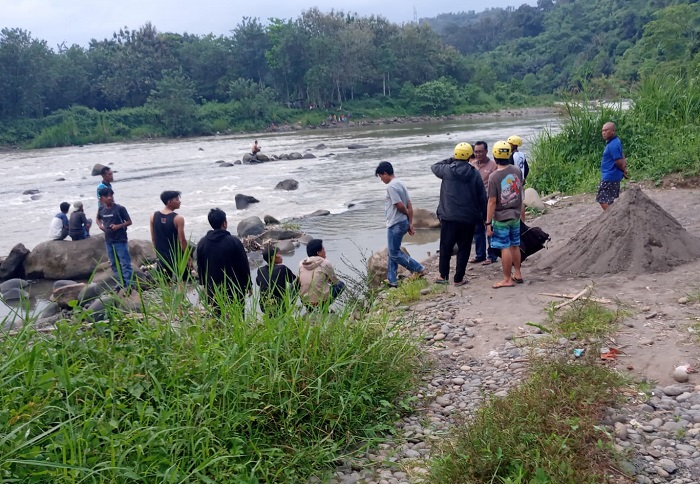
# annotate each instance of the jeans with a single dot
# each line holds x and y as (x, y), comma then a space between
(480, 244)
(118, 252)
(395, 235)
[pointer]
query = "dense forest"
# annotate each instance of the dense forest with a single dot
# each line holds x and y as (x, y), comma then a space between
(143, 82)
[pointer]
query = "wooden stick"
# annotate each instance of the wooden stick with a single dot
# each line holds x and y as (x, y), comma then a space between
(566, 303)
(571, 296)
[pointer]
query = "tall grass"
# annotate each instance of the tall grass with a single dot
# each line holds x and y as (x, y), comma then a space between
(660, 133)
(179, 395)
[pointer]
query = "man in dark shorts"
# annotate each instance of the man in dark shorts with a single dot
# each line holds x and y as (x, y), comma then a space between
(168, 236)
(278, 283)
(613, 167)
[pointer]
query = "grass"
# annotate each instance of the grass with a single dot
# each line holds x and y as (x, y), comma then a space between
(545, 431)
(408, 291)
(239, 398)
(585, 319)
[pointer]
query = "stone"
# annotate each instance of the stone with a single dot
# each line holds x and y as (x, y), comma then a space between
(621, 431)
(668, 465)
(15, 283)
(225, 164)
(250, 226)
(285, 246)
(51, 309)
(270, 220)
(680, 375)
(357, 146)
(97, 169)
(282, 234)
(318, 213)
(672, 390)
(63, 282)
(13, 266)
(295, 156)
(243, 201)
(309, 156)
(425, 219)
(15, 294)
(683, 300)
(142, 252)
(378, 265)
(288, 184)
(31, 191)
(65, 259)
(247, 158)
(64, 295)
(532, 199)
(262, 157)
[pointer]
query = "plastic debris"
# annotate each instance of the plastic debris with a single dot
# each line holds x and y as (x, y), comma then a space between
(578, 352)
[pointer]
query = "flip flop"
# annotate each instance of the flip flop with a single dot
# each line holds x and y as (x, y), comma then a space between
(487, 262)
(476, 261)
(518, 281)
(499, 285)
(440, 280)
(461, 283)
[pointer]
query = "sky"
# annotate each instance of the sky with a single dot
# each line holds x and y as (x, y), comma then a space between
(78, 21)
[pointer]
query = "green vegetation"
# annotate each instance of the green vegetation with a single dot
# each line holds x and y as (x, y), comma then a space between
(142, 82)
(177, 395)
(544, 431)
(408, 291)
(585, 319)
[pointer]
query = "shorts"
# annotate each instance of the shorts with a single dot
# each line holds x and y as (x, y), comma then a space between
(505, 234)
(608, 191)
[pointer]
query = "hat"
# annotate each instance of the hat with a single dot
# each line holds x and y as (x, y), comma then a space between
(77, 205)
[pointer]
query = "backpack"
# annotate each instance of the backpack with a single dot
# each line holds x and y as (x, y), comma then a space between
(532, 240)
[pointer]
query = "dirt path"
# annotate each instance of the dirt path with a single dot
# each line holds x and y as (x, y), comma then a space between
(655, 335)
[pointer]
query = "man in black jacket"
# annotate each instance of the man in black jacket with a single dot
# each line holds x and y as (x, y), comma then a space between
(278, 284)
(222, 264)
(462, 206)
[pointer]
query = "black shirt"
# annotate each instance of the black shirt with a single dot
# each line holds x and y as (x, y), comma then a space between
(114, 215)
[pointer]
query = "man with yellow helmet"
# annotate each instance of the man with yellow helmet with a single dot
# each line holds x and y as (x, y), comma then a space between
(505, 204)
(461, 208)
(518, 157)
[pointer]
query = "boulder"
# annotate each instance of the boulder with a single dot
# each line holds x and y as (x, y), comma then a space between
(250, 226)
(219, 161)
(12, 266)
(270, 220)
(15, 283)
(237, 162)
(15, 294)
(309, 156)
(288, 184)
(97, 309)
(95, 290)
(262, 157)
(304, 239)
(319, 213)
(320, 147)
(357, 146)
(295, 156)
(225, 164)
(51, 309)
(142, 252)
(242, 201)
(282, 234)
(65, 294)
(31, 191)
(378, 264)
(532, 199)
(425, 219)
(62, 259)
(97, 169)
(60, 179)
(284, 157)
(247, 157)
(285, 246)
(63, 282)
(35, 197)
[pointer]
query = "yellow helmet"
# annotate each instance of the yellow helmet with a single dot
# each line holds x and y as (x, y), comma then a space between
(463, 151)
(515, 140)
(501, 150)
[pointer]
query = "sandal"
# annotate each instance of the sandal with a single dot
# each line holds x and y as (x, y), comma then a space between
(518, 281)
(487, 262)
(475, 260)
(499, 285)
(461, 283)
(440, 280)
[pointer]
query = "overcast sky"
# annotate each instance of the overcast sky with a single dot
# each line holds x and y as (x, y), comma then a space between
(78, 21)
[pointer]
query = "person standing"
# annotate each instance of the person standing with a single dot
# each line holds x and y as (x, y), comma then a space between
(399, 221)
(79, 224)
(168, 235)
(613, 167)
(58, 229)
(222, 263)
(486, 167)
(518, 157)
(503, 214)
(113, 219)
(461, 208)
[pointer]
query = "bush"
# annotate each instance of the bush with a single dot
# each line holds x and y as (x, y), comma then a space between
(178, 395)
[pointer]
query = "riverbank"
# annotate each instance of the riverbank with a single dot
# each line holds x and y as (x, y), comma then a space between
(482, 344)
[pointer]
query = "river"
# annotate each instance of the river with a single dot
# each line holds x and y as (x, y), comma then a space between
(337, 178)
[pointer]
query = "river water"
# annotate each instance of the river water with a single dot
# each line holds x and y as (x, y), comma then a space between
(335, 179)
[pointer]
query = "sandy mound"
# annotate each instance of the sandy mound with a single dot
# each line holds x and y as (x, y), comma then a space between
(635, 235)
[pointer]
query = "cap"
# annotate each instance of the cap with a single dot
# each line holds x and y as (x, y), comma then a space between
(77, 205)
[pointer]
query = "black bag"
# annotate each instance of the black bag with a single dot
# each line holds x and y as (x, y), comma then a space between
(532, 240)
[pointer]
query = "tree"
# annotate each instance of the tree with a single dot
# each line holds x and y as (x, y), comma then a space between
(173, 97)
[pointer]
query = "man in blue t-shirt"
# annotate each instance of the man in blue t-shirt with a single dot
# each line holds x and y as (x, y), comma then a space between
(613, 167)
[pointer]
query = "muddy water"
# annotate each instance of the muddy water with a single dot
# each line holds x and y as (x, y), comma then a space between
(336, 178)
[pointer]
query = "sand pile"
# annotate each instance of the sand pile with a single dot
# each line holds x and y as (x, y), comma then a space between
(634, 235)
